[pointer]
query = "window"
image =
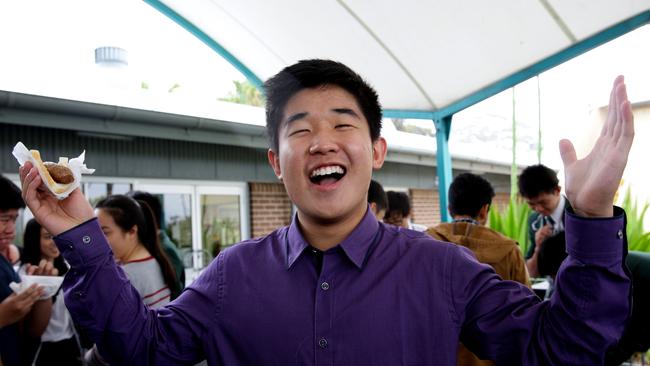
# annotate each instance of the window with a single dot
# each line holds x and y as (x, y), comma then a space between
(97, 191)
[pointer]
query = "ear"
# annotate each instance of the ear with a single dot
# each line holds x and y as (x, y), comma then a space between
(379, 149)
(483, 214)
(373, 207)
(557, 190)
(274, 162)
(132, 232)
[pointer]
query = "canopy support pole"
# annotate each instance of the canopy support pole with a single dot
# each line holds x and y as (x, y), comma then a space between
(443, 157)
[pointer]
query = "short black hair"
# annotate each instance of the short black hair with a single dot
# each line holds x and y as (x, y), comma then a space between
(316, 73)
(537, 179)
(12, 198)
(377, 195)
(398, 202)
(468, 193)
(552, 253)
(152, 201)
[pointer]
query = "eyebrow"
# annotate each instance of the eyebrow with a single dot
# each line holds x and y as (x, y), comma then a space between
(302, 115)
(296, 117)
(346, 111)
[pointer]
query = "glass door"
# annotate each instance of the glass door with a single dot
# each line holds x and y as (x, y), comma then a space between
(223, 212)
(202, 219)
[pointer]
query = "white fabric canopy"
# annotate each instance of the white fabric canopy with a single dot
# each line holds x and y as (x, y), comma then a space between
(419, 55)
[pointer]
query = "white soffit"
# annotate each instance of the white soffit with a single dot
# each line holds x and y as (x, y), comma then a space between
(419, 55)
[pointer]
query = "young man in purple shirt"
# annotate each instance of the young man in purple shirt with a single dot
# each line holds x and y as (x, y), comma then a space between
(337, 287)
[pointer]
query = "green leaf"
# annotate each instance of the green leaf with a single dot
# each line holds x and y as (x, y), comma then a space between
(637, 238)
(512, 221)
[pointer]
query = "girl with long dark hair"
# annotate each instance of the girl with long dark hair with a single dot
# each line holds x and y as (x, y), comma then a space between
(59, 341)
(132, 233)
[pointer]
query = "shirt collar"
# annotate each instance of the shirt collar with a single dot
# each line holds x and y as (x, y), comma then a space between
(355, 245)
(559, 211)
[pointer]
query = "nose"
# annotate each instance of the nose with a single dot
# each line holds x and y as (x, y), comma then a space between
(323, 142)
(10, 227)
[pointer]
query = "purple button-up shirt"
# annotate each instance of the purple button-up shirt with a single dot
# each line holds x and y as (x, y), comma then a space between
(384, 296)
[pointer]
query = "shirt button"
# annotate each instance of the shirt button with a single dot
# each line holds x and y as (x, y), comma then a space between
(322, 343)
(620, 234)
(325, 286)
(79, 294)
(86, 239)
(70, 246)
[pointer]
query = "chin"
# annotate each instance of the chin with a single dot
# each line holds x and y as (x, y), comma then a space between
(331, 211)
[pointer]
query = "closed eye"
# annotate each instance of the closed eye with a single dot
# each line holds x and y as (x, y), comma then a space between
(298, 131)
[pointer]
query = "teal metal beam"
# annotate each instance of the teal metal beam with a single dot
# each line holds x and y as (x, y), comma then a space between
(443, 157)
(203, 37)
(407, 113)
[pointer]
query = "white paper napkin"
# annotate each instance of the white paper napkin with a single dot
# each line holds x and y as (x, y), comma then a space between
(50, 284)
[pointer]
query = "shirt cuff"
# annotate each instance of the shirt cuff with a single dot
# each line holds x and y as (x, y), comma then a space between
(596, 240)
(84, 244)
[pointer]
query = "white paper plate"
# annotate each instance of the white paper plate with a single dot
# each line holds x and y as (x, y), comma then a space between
(50, 284)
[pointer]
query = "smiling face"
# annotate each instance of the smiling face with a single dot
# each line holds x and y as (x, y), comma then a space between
(325, 155)
(49, 250)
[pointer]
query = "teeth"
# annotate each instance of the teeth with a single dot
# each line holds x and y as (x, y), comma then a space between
(327, 170)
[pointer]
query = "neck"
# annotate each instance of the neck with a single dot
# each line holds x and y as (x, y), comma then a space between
(325, 234)
(137, 252)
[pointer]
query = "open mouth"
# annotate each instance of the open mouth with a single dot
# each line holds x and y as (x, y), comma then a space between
(326, 175)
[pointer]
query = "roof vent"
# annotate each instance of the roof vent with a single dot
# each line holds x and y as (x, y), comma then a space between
(111, 56)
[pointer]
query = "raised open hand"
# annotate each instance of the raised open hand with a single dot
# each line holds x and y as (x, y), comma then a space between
(55, 215)
(592, 182)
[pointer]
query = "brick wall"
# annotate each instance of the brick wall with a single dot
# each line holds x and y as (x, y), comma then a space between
(426, 206)
(270, 207)
(501, 200)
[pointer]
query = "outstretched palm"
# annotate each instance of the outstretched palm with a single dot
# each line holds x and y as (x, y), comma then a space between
(55, 215)
(591, 183)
